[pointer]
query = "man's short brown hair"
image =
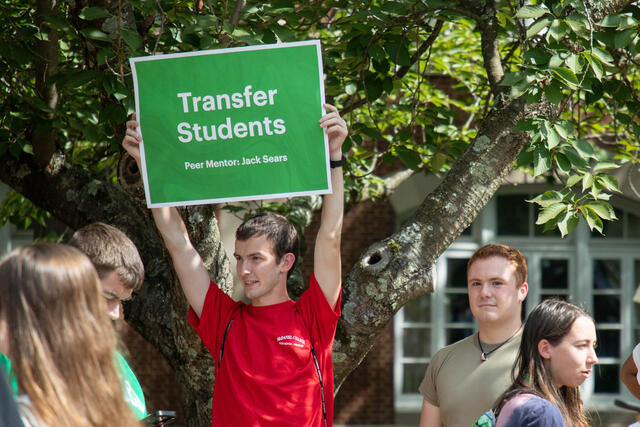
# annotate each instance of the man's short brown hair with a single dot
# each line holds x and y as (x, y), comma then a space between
(109, 249)
(513, 255)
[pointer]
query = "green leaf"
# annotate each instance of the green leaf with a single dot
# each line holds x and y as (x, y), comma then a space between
(564, 128)
(92, 33)
(575, 63)
(567, 76)
(531, 12)
(578, 23)
(601, 166)
(596, 65)
(511, 79)
(603, 56)
(573, 180)
(547, 198)
(373, 87)
(525, 125)
(625, 37)
(409, 157)
(563, 163)
(91, 13)
(592, 218)
(552, 137)
(557, 30)
(351, 88)
(553, 92)
(587, 181)
(550, 212)
(538, 25)
(609, 182)
(610, 21)
(131, 38)
(541, 161)
(584, 149)
(377, 53)
(568, 223)
(602, 209)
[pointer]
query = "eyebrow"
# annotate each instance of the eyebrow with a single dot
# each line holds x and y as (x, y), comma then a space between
(110, 294)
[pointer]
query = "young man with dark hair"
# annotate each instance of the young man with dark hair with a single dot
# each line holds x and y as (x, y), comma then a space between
(464, 379)
(121, 273)
(273, 356)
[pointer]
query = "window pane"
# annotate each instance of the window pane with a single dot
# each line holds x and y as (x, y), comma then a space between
(608, 343)
(412, 376)
(611, 229)
(606, 308)
(418, 310)
(606, 378)
(457, 272)
(555, 273)
(633, 226)
(454, 335)
(606, 274)
(416, 342)
(513, 215)
(457, 308)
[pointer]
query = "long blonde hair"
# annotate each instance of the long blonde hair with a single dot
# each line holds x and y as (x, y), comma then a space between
(60, 339)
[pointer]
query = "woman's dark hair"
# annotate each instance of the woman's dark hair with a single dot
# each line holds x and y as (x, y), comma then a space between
(551, 320)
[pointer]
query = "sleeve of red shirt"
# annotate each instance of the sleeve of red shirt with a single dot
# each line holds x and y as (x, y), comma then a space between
(216, 312)
(318, 315)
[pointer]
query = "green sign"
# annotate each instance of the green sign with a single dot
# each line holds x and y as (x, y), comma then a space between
(232, 124)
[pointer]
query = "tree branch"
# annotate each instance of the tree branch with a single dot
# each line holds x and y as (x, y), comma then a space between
(44, 144)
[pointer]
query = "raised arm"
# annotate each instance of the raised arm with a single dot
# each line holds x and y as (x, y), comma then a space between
(326, 256)
(628, 376)
(187, 262)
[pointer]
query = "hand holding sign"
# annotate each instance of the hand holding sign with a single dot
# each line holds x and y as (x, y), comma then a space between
(132, 139)
(336, 129)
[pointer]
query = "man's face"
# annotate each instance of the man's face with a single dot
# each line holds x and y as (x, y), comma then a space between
(114, 292)
(263, 278)
(494, 296)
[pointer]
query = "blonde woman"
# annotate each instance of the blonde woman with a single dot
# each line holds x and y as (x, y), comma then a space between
(60, 342)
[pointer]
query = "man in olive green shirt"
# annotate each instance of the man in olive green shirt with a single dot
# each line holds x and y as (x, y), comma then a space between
(464, 380)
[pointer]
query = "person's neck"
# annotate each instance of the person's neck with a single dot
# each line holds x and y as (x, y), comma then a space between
(496, 333)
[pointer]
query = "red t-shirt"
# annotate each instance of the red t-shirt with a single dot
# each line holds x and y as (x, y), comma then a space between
(267, 376)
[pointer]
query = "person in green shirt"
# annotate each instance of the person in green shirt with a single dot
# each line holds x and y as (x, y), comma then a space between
(121, 273)
(5, 365)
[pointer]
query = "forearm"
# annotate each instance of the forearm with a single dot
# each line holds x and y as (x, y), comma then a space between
(333, 208)
(191, 272)
(327, 262)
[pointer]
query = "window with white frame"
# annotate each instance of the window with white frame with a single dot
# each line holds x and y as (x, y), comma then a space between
(600, 274)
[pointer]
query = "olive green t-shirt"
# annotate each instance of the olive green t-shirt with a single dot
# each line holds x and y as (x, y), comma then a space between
(462, 385)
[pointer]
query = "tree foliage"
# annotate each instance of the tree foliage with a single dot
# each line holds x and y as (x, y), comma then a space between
(464, 90)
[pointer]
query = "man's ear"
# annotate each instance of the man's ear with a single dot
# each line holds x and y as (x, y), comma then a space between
(545, 348)
(522, 291)
(287, 261)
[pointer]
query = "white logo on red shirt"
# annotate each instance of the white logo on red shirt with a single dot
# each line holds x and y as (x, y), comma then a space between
(291, 340)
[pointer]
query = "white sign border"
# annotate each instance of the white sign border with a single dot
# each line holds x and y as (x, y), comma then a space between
(132, 63)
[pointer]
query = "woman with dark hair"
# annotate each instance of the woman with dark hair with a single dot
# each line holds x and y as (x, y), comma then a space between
(557, 353)
(54, 329)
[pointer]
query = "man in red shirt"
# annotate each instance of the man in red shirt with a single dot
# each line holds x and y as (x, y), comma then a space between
(273, 356)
